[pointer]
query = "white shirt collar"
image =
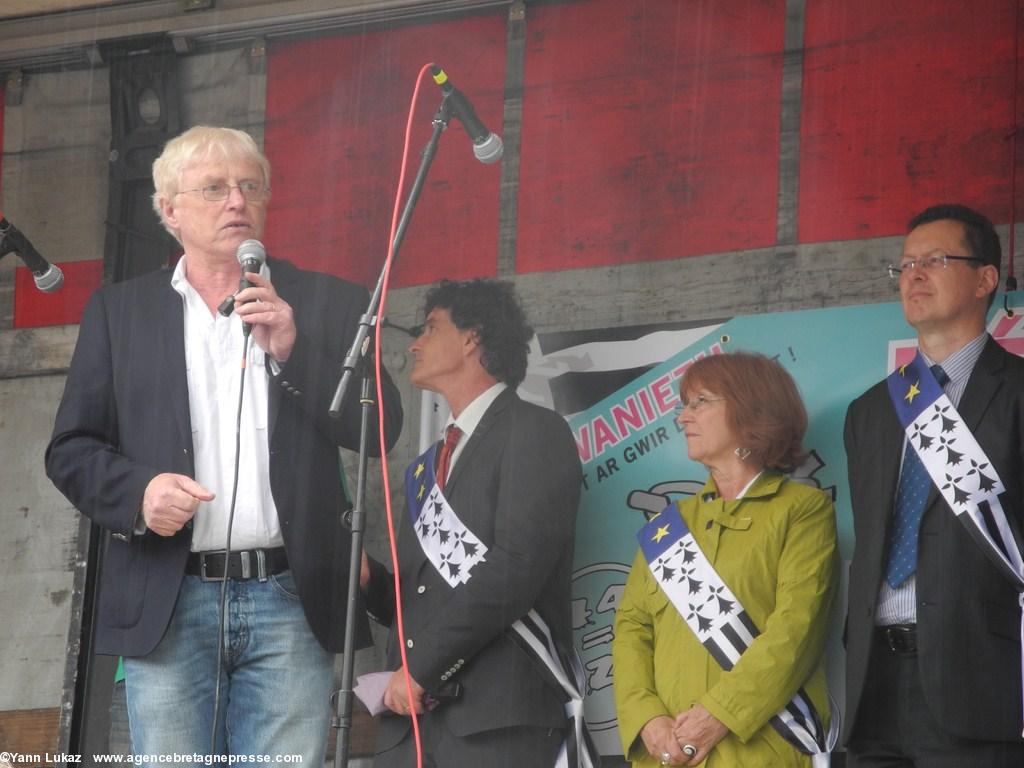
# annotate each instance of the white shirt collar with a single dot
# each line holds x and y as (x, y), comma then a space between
(470, 417)
(179, 280)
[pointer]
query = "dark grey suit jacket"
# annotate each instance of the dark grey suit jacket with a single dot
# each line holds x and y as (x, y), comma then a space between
(124, 418)
(516, 485)
(968, 618)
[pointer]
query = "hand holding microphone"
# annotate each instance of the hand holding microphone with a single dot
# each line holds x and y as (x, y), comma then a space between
(262, 310)
(251, 256)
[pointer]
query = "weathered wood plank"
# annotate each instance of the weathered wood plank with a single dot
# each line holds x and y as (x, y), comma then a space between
(29, 731)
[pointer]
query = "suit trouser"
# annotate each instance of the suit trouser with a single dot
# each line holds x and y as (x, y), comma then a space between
(515, 747)
(895, 728)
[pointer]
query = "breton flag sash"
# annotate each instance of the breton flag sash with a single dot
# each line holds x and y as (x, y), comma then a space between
(449, 545)
(454, 550)
(531, 633)
(956, 464)
(958, 467)
(719, 621)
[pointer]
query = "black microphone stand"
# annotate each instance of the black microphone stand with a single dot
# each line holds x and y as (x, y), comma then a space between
(360, 358)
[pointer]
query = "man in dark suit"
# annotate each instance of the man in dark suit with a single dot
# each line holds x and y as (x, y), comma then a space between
(145, 445)
(933, 645)
(512, 481)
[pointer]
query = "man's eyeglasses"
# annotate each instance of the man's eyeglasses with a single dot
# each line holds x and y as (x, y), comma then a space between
(696, 404)
(253, 191)
(934, 260)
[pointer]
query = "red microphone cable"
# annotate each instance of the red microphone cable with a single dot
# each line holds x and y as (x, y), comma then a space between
(380, 422)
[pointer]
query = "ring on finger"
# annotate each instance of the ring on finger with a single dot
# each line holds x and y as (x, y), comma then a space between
(665, 757)
(689, 750)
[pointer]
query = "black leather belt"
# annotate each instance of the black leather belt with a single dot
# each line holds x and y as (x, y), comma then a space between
(242, 565)
(899, 638)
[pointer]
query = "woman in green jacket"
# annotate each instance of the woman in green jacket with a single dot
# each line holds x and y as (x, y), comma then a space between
(719, 637)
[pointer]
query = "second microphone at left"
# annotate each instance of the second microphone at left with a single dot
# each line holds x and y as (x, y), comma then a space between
(252, 256)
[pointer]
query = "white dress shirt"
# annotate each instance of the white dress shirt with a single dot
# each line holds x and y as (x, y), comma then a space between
(213, 354)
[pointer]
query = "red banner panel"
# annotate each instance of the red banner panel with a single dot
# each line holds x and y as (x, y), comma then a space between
(904, 105)
(650, 131)
(33, 308)
(336, 116)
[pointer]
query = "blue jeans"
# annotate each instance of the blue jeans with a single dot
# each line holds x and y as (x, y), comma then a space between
(275, 684)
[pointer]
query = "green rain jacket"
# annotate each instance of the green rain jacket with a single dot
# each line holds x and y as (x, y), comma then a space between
(776, 550)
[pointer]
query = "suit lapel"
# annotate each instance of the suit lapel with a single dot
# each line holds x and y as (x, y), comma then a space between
(490, 417)
(173, 355)
(890, 457)
(280, 275)
(983, 385)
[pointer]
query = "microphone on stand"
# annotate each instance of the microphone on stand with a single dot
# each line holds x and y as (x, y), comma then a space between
(413, 331)
(48, 277)
(487, 146)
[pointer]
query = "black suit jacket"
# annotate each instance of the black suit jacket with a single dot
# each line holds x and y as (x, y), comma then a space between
(516, 485)
(124, 418)
(968, 618)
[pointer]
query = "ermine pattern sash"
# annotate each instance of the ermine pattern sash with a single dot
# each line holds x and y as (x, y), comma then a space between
(532, 634)
(958, 467)
(718, 619)
(450, 546)
(956, 464)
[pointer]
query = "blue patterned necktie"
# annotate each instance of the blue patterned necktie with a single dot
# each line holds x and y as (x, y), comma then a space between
(911, 495)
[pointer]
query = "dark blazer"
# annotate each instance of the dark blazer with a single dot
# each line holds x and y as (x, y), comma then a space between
(124, 418)
(516, 485)
(968, 618)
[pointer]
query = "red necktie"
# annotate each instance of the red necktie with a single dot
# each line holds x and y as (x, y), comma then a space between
(444, 460)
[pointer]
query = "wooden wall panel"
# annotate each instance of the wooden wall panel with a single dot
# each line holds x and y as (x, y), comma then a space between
(336, 116)
(30, 731)
(650, 131)
(904, 105)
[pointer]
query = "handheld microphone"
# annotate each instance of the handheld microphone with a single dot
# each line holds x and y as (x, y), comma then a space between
(251, 255)
(487, 146)
(48, 277)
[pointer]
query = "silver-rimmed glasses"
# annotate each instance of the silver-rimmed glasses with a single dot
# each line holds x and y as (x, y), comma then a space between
(695, 404)
(928, 262)
(253, 191)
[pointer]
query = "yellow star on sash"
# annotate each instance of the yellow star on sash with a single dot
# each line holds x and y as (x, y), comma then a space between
(903, 369)
(912, 393)
(660, 534)
(419, 496)
(419, 469)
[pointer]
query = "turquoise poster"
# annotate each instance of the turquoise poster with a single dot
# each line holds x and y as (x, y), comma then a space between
(634, 458)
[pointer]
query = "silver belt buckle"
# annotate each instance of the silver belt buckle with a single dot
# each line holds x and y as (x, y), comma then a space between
(245, 559)
(202, 566)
